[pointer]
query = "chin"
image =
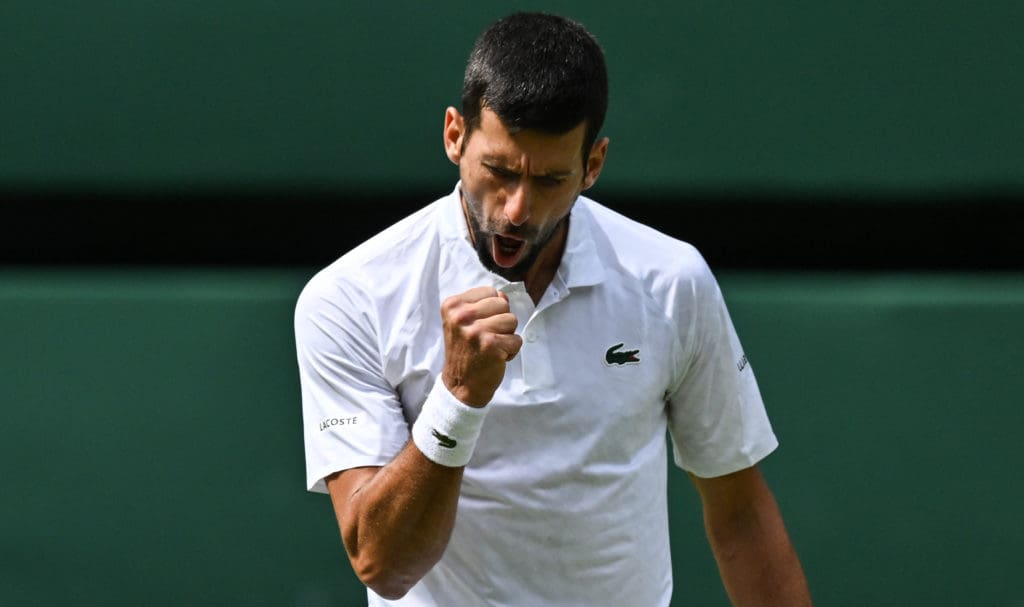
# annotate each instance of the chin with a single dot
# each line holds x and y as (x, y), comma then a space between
(516, 273)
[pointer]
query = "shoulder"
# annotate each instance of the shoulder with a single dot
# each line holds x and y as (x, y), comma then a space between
(391, 249)
(375, 272)
(661, 262)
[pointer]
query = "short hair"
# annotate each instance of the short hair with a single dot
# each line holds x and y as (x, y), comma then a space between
(537, 71)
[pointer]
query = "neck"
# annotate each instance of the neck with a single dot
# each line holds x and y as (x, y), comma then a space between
(540, 275)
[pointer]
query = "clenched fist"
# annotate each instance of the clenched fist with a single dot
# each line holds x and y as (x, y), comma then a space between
(479, 338)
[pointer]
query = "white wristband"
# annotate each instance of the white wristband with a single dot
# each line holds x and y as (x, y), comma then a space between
(447, 429)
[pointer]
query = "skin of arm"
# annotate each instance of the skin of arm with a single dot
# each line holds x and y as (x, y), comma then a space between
(757, 561)
(396, 520)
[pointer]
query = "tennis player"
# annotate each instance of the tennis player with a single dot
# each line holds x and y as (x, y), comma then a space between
(487, 384)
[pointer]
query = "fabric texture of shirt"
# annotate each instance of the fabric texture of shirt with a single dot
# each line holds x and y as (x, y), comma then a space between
(564, 500)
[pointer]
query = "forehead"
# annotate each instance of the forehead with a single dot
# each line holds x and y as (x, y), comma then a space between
(540, 150)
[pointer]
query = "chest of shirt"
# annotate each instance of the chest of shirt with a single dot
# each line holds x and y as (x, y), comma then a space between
(593, 355)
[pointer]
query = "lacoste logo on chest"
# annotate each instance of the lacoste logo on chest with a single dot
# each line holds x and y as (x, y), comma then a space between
(626, 357)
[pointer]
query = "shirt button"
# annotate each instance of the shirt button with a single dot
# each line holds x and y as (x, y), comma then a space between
(530, 336)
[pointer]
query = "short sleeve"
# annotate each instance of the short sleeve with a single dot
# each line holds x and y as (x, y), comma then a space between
(351, 416)
(717, 419)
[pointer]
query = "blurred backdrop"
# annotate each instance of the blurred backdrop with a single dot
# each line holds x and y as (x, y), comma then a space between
(172, 173)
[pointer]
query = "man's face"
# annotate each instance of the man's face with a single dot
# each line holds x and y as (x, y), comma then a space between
(518, 188)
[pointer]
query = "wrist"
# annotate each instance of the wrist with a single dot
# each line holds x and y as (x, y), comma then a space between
(447, 429)
(461, 392)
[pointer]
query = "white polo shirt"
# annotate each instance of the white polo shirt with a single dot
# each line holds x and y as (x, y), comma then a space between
(564, 500)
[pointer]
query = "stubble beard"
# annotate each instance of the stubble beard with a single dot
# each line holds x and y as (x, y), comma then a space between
(482, 233)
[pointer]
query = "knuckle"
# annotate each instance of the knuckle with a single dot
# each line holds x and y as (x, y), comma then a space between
(457, 313)
(448, 306)
(488, 341)
(461, 315)
(452, 302)
(472, 332)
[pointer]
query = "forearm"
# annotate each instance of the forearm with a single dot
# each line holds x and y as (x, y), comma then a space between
(396, 521)
(396, 525)
(756, 559)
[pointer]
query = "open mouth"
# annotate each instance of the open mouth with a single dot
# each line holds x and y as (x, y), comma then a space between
(507, 252)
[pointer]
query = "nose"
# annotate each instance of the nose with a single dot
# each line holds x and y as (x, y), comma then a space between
(517, 204)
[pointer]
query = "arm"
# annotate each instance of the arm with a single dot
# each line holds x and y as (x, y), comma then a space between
(756, 560)
(396, 520)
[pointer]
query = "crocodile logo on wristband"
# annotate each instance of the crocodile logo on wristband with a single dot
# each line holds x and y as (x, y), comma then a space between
(445, 441)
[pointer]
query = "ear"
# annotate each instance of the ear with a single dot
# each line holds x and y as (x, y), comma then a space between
(454, 130)
(595, 162)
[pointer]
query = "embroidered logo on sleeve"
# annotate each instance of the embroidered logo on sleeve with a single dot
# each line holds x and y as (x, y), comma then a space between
(742, 364)
(445, 441)
(627, 357)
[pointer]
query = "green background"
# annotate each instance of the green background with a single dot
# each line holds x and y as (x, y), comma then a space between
(794, 97)
(152, 447)
(150, 436)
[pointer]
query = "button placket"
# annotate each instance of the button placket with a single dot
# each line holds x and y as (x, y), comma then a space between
(537, 361)
(521, 306)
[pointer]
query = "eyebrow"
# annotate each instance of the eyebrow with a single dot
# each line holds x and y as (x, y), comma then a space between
(498, 163)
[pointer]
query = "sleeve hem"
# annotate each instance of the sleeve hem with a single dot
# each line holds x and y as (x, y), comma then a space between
(742, 462)
(316, 479)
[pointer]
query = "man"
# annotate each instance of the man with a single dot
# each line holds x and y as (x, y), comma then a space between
(487, 384)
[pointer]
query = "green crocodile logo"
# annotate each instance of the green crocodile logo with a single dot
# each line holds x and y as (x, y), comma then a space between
(613, 357)
(445, 441)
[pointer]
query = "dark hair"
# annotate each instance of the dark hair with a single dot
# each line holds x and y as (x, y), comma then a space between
(537, 71)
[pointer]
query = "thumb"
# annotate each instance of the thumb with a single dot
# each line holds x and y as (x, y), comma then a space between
(512, 345)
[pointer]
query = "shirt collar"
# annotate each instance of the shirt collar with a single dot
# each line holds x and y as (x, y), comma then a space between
(581, 265)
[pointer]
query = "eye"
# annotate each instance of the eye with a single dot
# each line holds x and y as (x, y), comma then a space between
(550, 182)
(499, 172)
